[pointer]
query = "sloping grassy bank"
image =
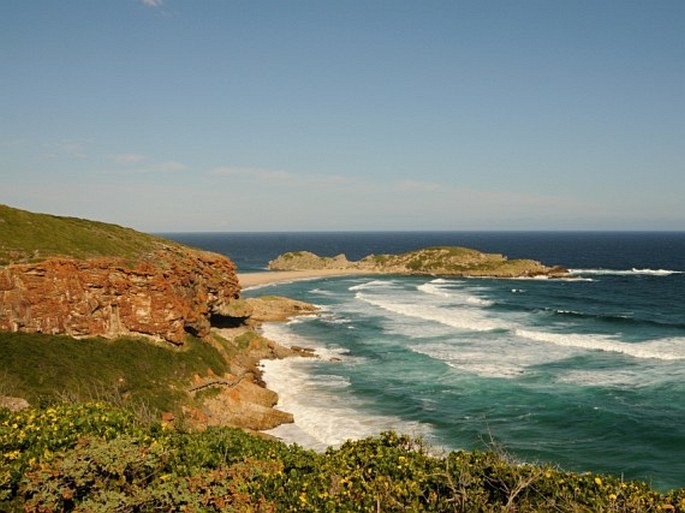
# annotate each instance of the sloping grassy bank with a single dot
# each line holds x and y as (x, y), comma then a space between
(98, 458)
(27, 236)
(45, 368)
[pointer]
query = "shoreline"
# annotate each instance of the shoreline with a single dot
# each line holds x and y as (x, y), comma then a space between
(257, 279)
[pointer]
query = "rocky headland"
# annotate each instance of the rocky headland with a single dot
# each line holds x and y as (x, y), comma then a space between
(436, 261)
(81, 278)
(84, 279)
(240, 398)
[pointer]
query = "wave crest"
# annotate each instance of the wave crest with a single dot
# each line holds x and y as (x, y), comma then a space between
(664, 349)
(626, 272)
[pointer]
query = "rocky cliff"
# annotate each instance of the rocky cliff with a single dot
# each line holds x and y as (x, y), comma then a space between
(84, 278)
(444, 261)
(167, 294)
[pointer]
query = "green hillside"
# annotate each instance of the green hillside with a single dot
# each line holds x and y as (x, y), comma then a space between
(29, 237)
(46, 368)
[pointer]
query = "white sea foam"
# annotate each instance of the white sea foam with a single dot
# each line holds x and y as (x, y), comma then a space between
(499, 356)
(322, 292)
(325, 412)
(408, 327)
(281, 333)
(662, 349)
(539, 277)
(465, 358)
(656, 272)
(435, 290)
(626, 272)
(334, 319)
(616, 378)
(441, 280)
(370, 284)
(461, 318)
(461, 296)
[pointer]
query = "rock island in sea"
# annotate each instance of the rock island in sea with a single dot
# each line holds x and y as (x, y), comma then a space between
(439, 261)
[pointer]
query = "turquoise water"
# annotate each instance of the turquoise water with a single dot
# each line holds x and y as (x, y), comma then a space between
(586, 373)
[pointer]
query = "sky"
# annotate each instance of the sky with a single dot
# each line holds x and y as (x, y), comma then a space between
(187, 115)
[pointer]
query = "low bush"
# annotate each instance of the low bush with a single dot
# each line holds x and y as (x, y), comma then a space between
(98, 458)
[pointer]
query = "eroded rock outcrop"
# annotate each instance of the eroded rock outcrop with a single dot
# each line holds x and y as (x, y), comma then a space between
(240, 398)
(165, 294)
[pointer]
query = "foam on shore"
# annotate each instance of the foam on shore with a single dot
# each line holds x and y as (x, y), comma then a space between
(325, 413)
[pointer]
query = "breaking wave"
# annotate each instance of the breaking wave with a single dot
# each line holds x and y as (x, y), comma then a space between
(627, 272)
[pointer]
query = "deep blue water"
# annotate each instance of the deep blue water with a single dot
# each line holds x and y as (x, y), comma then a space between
(587, 373)
(621, 250)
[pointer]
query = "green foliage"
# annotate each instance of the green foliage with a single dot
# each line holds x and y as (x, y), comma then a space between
(97, 458)
(243, 341)
(25, 236)
(43, 368)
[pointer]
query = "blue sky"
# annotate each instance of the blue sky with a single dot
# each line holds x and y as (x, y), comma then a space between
(179, 115)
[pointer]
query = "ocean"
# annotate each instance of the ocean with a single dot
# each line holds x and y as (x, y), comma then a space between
(586, 373)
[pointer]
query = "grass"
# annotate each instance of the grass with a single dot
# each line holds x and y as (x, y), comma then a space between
(43, 368)
(27, 237)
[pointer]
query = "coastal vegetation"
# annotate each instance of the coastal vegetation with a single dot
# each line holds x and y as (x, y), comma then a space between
(29, 237)
(131, 372)
(135, 423)
(97, 457)
(443, 261)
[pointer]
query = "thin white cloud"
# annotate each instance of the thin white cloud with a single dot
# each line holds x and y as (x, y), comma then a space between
(258, 174)
(319, 182)
(170, 166)
(417, 186)
(134, 163)
(67, 149)
(128, 158)
(153, 3)
(12, 143)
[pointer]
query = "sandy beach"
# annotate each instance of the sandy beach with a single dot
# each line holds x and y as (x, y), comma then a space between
(265, 278)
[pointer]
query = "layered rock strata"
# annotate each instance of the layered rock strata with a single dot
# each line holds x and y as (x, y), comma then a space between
(165, 294)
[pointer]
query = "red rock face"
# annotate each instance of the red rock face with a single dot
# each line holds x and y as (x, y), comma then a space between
(168, 294)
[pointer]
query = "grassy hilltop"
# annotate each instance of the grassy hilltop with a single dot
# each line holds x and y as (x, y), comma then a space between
(27, 236)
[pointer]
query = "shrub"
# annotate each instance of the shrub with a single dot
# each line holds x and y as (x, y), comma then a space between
(98, 458)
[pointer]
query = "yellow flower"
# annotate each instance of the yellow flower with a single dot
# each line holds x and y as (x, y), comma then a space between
(13, 455)
(598, 481)
(612, 496)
